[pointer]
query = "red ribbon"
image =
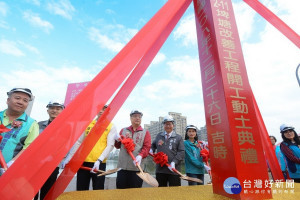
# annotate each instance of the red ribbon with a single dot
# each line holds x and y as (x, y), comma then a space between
(204, 154)
(160, 158)
(163, 25)
(3, 129)
(128, 144)
(275, 21)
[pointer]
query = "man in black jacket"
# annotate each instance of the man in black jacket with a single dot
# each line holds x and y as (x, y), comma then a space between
(54, 108)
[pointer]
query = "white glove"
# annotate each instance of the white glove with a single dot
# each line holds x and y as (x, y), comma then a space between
(65, 162)
(138, 160)
(96, 166)
(2, 170)
(207, 168)
(117, 137)
(151, 151)
(172, 165)
(10, 163)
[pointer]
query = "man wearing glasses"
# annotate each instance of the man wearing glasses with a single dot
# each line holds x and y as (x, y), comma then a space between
(127, 177)
(24, 129)
(170, 143)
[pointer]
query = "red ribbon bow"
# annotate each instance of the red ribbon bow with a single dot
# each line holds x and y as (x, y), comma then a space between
(160, 158)
(128, 144)
(204, 154)
(3, 129)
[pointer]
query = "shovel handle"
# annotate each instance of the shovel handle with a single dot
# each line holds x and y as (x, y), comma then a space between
(89, 169)
(174, 170)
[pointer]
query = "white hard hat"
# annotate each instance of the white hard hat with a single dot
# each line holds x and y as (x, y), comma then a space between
(135, 112)
(24, 90)
(168, 118)
(190, 127)
(55, 103)
(285, 127)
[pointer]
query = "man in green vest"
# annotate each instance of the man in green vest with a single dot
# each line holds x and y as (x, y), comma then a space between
(24, 129)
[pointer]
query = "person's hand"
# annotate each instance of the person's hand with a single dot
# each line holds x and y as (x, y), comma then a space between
(10, 163)
(2, 170)
(172, 166)
(207, 168)
(117, 137)
(138, 160)
(96, 166)
(65, 162)
(151, 151)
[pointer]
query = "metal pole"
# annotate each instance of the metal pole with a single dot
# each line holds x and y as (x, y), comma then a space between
(298, 75)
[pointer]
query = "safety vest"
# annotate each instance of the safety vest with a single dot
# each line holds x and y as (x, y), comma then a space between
(100, 145)
(13, 141)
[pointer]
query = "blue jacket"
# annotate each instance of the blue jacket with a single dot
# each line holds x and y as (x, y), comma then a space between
(293, 168)
(193, 160)
(280, 158)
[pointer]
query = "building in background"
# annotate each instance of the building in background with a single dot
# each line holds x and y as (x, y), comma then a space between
(156, 127)
(202, 134)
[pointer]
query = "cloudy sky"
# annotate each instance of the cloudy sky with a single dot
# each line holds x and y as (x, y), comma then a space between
(44, 45)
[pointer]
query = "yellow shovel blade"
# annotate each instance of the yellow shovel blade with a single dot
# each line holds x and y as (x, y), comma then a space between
(148, 178)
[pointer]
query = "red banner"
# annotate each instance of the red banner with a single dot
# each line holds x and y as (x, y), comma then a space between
(25, 177)
(237, 159)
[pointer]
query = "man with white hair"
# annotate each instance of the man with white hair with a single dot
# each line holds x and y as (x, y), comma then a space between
(127, 177)
(172, 145)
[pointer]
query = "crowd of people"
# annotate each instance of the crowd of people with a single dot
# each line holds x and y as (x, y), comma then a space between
(24, 129)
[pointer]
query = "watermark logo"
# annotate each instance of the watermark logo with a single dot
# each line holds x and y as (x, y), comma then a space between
(232, 186)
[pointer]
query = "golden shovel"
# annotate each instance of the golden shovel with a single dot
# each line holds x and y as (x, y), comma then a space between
(110, 171)
(146, 177)
(180, 174)
(187, 178)
(143, 175)
(102, 173)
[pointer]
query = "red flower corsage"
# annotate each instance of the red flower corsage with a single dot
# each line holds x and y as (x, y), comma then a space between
(16, 124)
(160, 142)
